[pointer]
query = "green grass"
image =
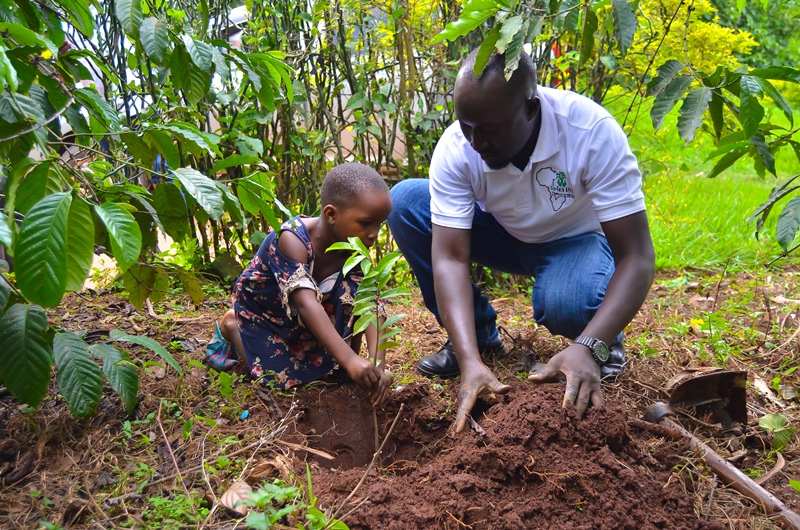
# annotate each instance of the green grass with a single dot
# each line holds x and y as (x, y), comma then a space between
(697, 222)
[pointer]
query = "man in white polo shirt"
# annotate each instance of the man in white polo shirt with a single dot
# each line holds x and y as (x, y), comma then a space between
(537, 182)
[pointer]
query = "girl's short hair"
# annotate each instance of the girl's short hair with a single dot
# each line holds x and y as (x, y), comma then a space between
(344, 182)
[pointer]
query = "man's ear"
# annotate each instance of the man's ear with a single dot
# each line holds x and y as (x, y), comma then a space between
(532, 107)
(329, 213)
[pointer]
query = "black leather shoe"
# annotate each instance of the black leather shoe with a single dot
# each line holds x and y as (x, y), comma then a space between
(444, 363)
(616, 364)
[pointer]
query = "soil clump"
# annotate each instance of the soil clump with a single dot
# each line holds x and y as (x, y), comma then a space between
(534, 465)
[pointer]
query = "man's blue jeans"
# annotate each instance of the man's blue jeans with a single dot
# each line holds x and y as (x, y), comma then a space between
(571, 274)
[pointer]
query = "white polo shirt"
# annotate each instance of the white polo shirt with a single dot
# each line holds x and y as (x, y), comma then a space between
(581, 173)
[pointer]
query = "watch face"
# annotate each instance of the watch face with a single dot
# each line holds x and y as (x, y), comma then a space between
(601, 351)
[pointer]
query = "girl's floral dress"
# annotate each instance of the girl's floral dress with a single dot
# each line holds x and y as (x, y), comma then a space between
(278, 347)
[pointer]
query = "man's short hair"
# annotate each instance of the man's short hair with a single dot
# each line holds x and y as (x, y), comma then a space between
(523, 79)
(344, 182)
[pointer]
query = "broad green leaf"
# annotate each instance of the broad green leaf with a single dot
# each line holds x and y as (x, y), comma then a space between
(220, 64)
(664, 75)
(778, 73)
(120, 372)
(129, 13)
(728, 160)
(587, 34)
(352, 262)
(138, 281)
(80, 244)
(163, 143)
(191, 286)
(509, 28)
(364, 321)
(171, 207)
(778, 98)
(160, 286)
(767, 157)
(394, 319)
(25, 356)
(473, 14)
(150, 344)
(200, 52)
(124, 232)
(205, 142)
(486, 50)
(391, 333)
(234, 160)
(194, 81)
(625, 24)
(6, 235)
(777, 193)
(79, 378)
(715, 107)
(773, 422)
(781, 438)
(5, 288)
(40, 253)
(99, 108)
(23, 36)
(79, 15)
(387, 345)
(393, 293)
(750, 110)
(514, 50)
(691, 113)
(41, 181)
(8, 74)
(231, 204)
(154, 36)
(788, 222)
(666, 99)
(203, 189)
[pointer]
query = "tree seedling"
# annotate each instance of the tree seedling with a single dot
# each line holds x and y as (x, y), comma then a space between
(368, 302)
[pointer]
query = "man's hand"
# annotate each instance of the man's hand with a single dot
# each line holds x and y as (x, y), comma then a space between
(582, 373)
(474, 382)
(363, 373)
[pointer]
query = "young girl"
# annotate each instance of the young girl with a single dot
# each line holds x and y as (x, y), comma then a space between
(291, 318)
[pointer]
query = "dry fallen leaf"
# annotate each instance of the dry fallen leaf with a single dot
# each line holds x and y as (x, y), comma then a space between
(237, 494)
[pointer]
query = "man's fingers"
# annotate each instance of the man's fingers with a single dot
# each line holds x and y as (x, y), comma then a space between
(584, 397)
(546, 375)
(597, 398)
(570, 394)
(499, 388)
(466, 402)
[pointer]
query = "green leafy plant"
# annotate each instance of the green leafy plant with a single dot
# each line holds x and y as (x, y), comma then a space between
(372, 290)
(29, 347)
(277, 500)
(776, 424)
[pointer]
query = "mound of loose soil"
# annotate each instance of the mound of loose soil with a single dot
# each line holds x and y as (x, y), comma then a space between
(535, 466)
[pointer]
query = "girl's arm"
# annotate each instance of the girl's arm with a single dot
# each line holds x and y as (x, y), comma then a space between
(313, 315)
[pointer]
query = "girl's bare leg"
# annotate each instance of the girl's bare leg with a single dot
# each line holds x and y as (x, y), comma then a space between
(230, 331)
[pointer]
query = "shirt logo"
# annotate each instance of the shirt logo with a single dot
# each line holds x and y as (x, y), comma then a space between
(555, 182)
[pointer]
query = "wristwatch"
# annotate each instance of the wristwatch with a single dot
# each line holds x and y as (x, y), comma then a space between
(598, 347)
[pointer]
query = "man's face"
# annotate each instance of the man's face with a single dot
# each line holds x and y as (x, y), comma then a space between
(496, 122)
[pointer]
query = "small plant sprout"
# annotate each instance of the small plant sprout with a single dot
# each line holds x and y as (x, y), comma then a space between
(777, 425)
(368, 302)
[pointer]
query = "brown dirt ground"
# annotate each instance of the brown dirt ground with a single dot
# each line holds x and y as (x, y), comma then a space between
(531, 465)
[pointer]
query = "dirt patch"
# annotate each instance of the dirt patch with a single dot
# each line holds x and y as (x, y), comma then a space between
(535, 466)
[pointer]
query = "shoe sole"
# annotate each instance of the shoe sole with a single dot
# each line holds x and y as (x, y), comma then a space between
(431, 374)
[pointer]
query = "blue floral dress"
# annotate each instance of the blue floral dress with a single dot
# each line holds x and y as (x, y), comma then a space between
(278, 346)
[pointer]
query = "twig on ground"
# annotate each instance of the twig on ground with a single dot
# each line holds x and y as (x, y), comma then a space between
(298, 447)
(772, 472)
(370, 466)
(150, 311)
(174, 460)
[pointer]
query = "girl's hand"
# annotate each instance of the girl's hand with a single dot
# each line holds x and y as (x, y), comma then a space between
(363, 373)
(379, 394)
